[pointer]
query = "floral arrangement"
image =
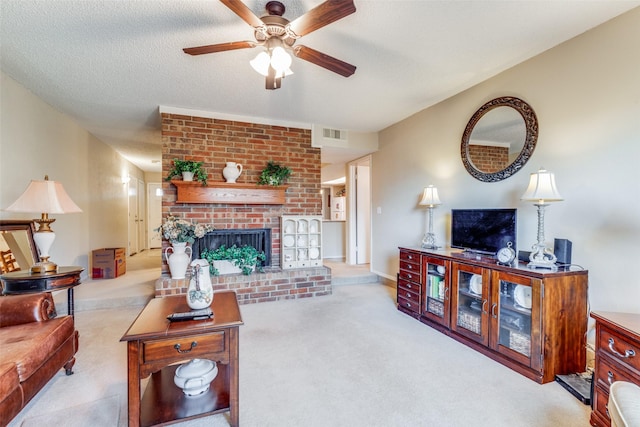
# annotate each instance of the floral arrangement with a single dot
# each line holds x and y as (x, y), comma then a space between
(180, 231)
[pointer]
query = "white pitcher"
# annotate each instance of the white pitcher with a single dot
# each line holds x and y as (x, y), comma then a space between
(232, 171)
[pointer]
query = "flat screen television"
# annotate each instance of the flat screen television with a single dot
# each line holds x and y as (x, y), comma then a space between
(483, 230)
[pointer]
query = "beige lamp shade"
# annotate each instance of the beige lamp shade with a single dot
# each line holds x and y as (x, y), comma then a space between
(44, 196)
(430, 197)
(542, 188)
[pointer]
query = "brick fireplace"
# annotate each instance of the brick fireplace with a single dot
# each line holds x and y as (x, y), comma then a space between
(215, 142)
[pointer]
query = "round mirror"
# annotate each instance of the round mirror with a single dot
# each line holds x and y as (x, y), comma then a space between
(499, 139)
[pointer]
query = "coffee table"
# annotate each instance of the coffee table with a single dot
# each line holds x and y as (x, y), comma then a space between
(156, 347)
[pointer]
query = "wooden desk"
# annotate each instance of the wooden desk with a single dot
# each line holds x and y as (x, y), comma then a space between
(156, 346)
(24, 281)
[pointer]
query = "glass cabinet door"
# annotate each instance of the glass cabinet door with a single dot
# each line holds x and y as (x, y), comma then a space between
(470, 302)
(436, 286)
(515, 313)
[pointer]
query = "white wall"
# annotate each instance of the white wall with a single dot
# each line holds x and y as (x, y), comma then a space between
(586, 94)
(35, 140)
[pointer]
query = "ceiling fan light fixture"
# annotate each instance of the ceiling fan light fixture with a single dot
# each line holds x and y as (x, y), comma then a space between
(280, 60)
(261, 63)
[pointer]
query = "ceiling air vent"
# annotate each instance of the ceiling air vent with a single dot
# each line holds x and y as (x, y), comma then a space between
(337, 134)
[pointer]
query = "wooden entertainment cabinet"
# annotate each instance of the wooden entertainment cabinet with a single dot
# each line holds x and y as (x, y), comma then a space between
(533, 321)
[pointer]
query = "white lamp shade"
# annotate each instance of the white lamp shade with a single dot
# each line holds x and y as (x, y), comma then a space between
(542, 188)
(280, 60)
(430, 196)
(261, 63)
(44, 196)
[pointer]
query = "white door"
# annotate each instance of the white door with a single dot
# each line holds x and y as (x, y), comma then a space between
(154, 214)
(133, 215)
(142, 229)
(359, 212)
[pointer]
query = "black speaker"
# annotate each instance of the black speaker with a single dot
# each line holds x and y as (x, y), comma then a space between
(562, 251)
(523, 256)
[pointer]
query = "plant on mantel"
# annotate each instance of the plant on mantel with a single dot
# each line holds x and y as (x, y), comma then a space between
(246, 258)
(192, 166)
(274, 174)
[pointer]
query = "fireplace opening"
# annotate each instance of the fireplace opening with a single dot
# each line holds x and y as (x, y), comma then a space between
(259, 238)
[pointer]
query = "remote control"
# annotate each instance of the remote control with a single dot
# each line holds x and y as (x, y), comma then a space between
(205, 313)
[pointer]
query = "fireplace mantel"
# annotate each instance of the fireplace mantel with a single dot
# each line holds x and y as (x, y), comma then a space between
(229, 193)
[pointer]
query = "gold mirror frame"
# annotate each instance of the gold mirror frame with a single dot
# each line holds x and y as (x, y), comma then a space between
(22, 226)
(531, 138)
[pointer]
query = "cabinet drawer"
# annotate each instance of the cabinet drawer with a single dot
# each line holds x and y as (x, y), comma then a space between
(190, 346)
(411, 276)
(409, 295)
(409, 286)
(609, 371)
(619, 348)
(409, 257)
(409, 267)
(408, 304)
(600, 401)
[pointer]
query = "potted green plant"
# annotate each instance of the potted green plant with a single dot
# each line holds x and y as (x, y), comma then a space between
(192, 168)
(274, 174)
(245, 259)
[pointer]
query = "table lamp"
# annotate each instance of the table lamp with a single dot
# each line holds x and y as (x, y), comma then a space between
(430, 199)
(45, 197)
(542, 190)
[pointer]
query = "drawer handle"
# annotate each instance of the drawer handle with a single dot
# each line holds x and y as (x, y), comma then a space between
(627, 353)
(193, 345)
(610, 377)
(409, 276)
(408, 295)
(409, 267)
(409, 256)
(484, 303)
(408, 304)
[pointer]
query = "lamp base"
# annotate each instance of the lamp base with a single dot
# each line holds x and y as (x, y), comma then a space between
(429, 241)
(44, 267)
(542, 257)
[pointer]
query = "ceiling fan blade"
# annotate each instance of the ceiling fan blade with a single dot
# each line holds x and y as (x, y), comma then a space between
(321, 15)
(220, 47)
(243, 12)
(324, 60)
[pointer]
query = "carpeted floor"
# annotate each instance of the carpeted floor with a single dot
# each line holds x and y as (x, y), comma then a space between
(102, 412)
(349, 359)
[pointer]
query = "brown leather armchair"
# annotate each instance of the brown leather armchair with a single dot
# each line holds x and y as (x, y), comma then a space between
(34, 345)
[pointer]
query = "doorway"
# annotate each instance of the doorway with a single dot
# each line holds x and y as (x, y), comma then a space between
(359, 211)
(136, 215)
(154, 214)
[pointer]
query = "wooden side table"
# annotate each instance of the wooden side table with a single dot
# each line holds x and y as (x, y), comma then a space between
(24, 281)
(156, 346)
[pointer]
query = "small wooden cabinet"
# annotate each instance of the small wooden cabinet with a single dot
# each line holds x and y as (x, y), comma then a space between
(617, 358)
(533, 321)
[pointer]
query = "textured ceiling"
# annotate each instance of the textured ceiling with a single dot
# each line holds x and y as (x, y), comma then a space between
(110, 64)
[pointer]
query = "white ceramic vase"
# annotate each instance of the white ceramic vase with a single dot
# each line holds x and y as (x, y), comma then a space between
(187, 176)
(200, 290)
(232, 171)
(178, 259)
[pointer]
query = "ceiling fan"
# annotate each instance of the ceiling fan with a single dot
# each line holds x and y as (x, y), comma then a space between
(277, 35)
